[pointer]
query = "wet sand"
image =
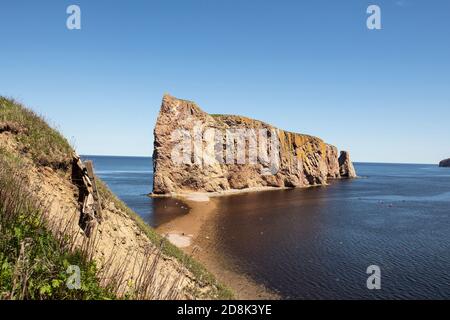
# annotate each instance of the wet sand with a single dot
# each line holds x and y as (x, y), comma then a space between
(192, 233)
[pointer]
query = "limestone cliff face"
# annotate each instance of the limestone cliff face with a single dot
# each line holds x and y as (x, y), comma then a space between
(198, 152)
(445, 163)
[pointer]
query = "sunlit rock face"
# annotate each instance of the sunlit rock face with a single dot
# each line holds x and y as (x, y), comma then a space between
(198, 152)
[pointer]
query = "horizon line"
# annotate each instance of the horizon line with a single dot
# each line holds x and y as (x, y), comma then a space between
(150, 156)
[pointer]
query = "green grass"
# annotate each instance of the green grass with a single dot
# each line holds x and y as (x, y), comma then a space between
(45, 145)
(33, 263)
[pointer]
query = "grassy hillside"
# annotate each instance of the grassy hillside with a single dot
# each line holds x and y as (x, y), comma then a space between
(32, 260)
(45, 145)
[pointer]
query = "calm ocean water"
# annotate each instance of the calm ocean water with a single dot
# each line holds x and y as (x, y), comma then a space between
(317, 242)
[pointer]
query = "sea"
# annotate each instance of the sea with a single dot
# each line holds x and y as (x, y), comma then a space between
(385, 235)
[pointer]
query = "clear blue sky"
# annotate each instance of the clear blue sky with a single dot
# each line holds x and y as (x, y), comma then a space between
(305, 66)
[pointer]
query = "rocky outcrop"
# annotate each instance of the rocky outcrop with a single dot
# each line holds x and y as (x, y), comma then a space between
(445, 163)
(346, 169)
(90, 204)
(198, 152)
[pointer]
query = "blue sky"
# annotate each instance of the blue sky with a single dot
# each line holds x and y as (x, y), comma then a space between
(306, 66)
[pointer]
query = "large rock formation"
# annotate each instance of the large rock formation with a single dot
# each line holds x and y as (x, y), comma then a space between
(198, 152)
(445, 163)
(346, 168)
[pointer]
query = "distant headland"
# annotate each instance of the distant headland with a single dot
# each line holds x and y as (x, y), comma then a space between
(445, 163)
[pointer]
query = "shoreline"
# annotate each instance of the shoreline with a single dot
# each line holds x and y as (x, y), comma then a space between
(205, 196)
(195, 197)
(192, 233)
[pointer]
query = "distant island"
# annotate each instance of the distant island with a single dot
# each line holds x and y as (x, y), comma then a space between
(197, 152)
(445, 163)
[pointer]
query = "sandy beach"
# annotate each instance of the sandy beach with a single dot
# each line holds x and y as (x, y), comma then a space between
(194, 234)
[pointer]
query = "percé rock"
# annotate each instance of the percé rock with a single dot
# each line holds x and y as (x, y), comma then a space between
(445, 163)
(183, 131)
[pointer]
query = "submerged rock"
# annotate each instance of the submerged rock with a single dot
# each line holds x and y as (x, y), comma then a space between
(445, 163)
(198, 152)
